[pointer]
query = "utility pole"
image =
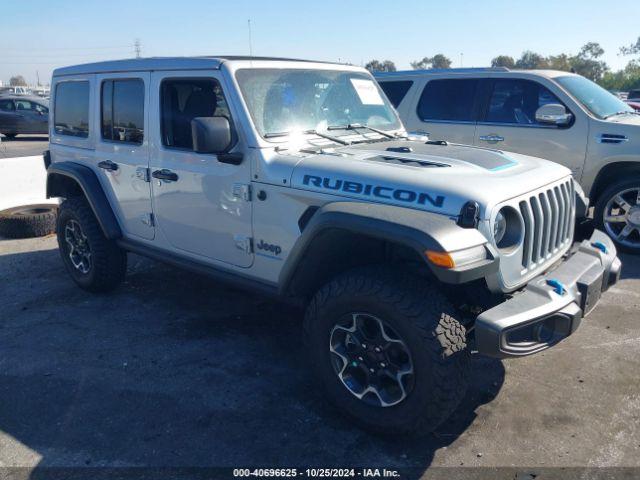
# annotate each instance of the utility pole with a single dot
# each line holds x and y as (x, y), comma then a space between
(461, 55)
(137, 46)
(250, 41)
(38, 77)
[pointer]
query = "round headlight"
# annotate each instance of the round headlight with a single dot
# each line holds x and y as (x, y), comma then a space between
(507, 229)
(499, 227)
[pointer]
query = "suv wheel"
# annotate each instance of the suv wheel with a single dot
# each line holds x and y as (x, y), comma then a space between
(617, 212)
(388, 350)
(94, 262)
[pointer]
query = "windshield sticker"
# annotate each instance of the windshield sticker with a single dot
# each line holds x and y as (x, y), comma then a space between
(367, 91)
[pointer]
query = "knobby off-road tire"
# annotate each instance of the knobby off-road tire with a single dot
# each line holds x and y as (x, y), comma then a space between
(28, 221)
(422, 318)
(94, 262)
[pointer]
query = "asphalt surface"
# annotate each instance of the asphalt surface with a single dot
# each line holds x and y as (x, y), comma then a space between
(174, 369)
(23, 146)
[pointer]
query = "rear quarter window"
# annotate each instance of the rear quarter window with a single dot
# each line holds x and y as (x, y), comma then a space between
(71, 110)
(396, 90)
(448, 100)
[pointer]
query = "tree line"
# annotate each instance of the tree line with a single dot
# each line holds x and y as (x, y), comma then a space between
(587, 62)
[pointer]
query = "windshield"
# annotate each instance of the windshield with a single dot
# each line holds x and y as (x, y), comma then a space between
(283, 101)
(596, 99)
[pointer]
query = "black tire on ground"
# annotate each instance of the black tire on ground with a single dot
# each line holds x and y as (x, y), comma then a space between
(28, 221)
(630, 182)
(107, 262)
(423, 318)
(10, 136)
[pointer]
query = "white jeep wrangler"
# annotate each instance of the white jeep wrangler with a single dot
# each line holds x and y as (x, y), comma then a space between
(297, 179)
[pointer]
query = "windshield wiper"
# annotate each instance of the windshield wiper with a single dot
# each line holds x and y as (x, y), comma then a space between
(308, 132)
(328, 137)
(356, 126)
(276, 134)
(622, 112)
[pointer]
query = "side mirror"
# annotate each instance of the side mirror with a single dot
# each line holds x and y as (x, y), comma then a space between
(211, 134)
(553, 114)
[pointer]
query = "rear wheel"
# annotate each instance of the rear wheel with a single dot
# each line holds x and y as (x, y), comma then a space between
(617, 212)
(388, 350)
(94, 262)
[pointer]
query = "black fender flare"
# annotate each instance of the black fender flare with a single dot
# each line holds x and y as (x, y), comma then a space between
(416, 229)
(58, 176)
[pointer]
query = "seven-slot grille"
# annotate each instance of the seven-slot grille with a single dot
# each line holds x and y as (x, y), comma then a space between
(548, 223)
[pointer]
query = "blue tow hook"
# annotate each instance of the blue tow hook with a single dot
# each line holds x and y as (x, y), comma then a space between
(600, 246)
(558, 287)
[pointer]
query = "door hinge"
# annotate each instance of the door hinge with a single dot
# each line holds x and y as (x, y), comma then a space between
(143, 174)
(244, 243)
(242, 190)
(148, 219)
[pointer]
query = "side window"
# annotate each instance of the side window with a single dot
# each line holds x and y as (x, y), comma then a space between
(396, 91)
(448, 100)
(181, 101)
(71, 111)
(7, 106)
(122, 113)
(23, 105)
(516, 101)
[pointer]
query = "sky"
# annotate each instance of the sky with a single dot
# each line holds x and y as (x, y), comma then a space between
(36, 36)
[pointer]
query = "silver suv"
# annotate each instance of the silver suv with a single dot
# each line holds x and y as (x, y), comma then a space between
(555, 115)
(297, 179)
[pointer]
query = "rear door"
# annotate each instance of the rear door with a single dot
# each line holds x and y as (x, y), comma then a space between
(508, 122)
(122, 148)
(8, 117)
(445, 109)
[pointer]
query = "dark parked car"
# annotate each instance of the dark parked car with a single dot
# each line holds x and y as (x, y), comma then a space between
(22, 114)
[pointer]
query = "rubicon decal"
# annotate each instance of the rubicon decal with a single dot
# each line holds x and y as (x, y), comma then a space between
(377, 191)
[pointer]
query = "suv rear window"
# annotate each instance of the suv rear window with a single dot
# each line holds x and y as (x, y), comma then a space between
(396, 91)
(71, 114)
(448, 100)
(122, 118)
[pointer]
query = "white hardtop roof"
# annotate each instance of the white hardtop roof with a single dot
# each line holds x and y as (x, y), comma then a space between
(170, 63)
(469, 71)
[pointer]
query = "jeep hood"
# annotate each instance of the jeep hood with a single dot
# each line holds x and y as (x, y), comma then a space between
(438, 178)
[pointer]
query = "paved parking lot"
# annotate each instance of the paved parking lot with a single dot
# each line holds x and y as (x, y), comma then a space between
(174, 369)
(23, 146)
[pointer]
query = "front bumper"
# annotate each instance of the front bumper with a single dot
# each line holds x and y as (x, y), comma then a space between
(552, 305)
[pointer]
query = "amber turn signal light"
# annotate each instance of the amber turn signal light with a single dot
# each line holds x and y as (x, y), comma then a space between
(441, 259)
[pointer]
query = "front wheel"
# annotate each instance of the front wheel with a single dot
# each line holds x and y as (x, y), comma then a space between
(617, 212)
(94, 262)
(388, 350)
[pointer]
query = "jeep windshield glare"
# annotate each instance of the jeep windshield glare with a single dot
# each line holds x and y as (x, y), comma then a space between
(594, 98)
(287, 101)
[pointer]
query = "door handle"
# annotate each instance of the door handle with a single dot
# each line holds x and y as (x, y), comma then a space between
(108, 165)
(165, 174)
(491, 138)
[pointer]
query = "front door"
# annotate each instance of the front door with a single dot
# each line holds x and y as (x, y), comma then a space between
(32, 117)
(123, 149)
(201, 204)
(509, 123)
